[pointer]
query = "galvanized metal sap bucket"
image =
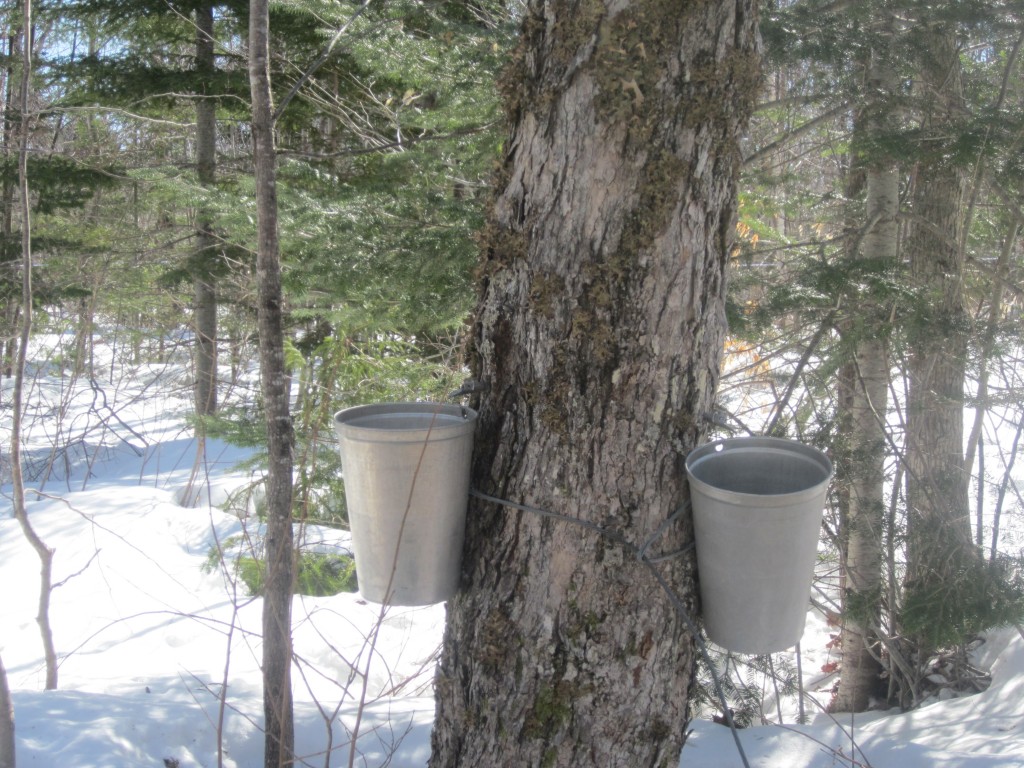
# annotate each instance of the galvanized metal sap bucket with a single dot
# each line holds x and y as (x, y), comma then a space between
(757, 508)
(406, 470)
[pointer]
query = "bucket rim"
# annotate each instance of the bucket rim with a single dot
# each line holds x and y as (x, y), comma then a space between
(454, 416)
(752, 444)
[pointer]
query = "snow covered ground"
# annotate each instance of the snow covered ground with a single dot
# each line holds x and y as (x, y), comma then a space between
(159, 658)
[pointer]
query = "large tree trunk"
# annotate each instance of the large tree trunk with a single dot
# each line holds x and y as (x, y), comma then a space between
(863, 400)
(277, 596)
(599, 331)
(939, 537)
(205, 300)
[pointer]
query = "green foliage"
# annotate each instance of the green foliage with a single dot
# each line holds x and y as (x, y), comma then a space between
(317, 573)
(332, 373)
(385, 151)
(379, 209)
(239, 425)
(744, 684)
(804, 222)
(979, 595)
(59, 182)
(156, 87)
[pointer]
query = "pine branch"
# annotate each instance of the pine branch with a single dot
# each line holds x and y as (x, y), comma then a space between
(318, 63)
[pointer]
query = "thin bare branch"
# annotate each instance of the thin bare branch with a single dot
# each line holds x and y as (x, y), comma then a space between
(795, 133)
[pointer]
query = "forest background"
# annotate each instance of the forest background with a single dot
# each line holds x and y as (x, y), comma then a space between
(875, 279)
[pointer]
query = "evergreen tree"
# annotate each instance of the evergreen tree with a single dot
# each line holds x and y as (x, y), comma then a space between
(904, 306)
(168, 58)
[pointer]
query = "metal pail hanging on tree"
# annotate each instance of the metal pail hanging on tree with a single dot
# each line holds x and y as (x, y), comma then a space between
(406, 471)
(757, 508)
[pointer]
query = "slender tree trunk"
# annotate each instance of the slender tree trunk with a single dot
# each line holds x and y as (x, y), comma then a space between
(277, 597)
(7, 189)
(975, 444)
(939, 537)
(865, 397)
(205, 300)
(81, 360)
(18, 397)
(988, 344)
(599, 331)
(7, 755)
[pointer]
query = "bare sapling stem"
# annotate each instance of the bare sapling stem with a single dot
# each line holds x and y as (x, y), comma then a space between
(18, 396)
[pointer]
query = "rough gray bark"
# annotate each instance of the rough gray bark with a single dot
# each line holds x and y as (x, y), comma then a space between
(599, 330)
(7, 755)
(277, 596)
(864, 402)
(205, 294)
(939, 524)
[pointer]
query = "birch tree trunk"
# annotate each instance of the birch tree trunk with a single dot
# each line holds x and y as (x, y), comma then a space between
(599, 331)
(865, 399)
(277, 596)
